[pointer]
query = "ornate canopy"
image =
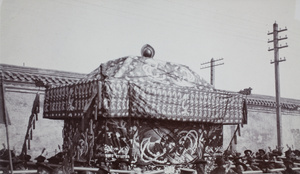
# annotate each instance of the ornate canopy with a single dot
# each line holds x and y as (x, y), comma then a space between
(140, 87)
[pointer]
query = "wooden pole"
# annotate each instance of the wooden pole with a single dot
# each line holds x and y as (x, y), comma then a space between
(212, 69)
(6, 123)
(277, 80)
(212, 72)
(277, 87)
(9, 152)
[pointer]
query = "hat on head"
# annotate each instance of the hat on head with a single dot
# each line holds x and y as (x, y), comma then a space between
(24, 157)
(247, 151)
(261, 150)
(40, 158)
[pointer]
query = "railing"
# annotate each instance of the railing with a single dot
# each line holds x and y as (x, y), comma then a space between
(271, 170)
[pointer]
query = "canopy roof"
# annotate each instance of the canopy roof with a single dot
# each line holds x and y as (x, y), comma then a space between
(143, 69)
(141, 87)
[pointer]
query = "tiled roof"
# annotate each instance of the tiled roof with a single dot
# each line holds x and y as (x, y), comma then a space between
(268, 101)
(29, 75)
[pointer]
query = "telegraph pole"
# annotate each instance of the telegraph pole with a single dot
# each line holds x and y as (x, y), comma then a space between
(276, 62)
(212, 69)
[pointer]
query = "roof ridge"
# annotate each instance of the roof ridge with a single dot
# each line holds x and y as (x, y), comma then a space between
(40, 71)
(19, 74)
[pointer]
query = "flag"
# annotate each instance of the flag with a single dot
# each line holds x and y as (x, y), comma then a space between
(245, 112)
(36, 106)
(4, 118)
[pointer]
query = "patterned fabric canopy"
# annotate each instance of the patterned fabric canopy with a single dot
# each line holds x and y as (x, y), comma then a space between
(141, 69)
(140, 87)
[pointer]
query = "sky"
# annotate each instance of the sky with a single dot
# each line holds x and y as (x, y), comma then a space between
(79, 35)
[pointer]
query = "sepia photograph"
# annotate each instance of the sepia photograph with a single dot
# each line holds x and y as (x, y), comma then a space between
(149, 87)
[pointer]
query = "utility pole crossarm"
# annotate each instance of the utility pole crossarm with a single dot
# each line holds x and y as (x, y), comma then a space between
(280, 30)
(212, 60)
(214, 65)
(280, 60)
(282, 46)
(271, 49)
(280, 38)
(212, 68)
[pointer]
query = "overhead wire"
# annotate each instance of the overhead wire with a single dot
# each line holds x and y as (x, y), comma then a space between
(194, 18)
(188, 20)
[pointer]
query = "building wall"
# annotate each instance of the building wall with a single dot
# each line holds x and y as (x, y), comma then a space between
(47, 133)
(20, 87)
(291, 130)
(261, 130)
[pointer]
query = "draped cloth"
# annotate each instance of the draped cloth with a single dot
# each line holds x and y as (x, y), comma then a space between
(121, 98)
(137, 87)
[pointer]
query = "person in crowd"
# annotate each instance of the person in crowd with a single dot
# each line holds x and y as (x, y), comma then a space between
(239, 165)
(222, 167)
(263, 159)
(200, 166)
(249, 160)
(122, 163)
(289, 167)
(274, 158)
(103, 169)
(43, 168)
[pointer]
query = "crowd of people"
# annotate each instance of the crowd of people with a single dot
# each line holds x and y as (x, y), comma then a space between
(262, 160)
(230, 162)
